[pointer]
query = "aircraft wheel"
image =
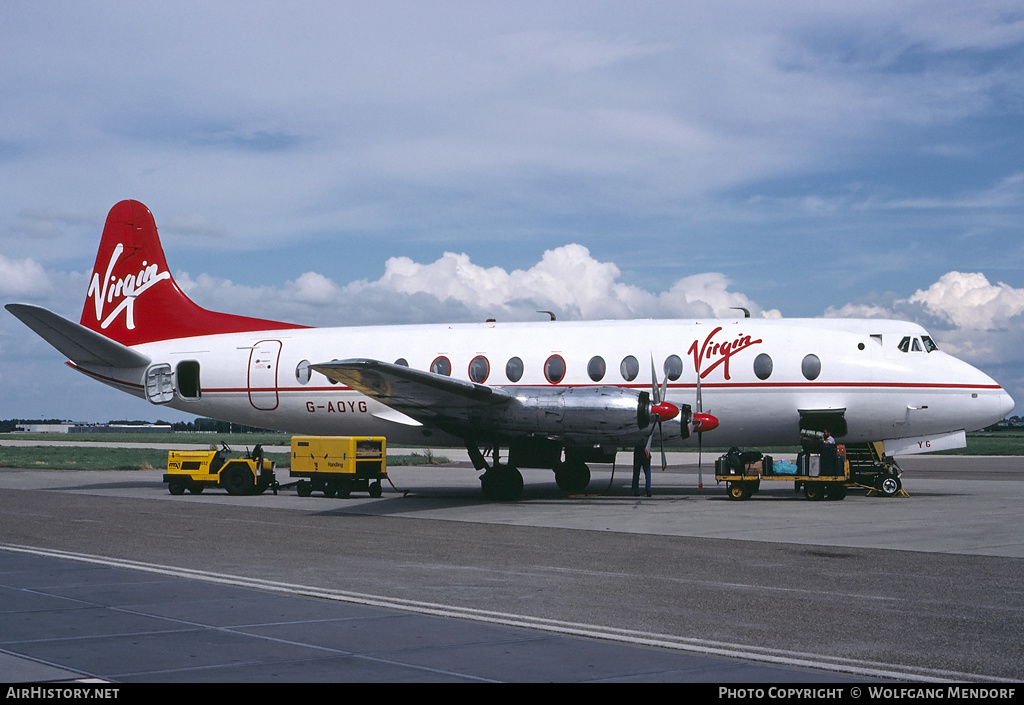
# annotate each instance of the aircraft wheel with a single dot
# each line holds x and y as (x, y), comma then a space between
(515, 483)
(889, 485)
(304, 488)
(238, 481)
(487, 485)
(572, 477)
(176, 487)
(376, 490)
(502, 484)
(814, 491)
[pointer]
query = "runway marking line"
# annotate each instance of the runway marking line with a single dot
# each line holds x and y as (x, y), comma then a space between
(666, 641)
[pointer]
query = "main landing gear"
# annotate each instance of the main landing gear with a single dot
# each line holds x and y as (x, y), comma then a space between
(503, 482)
(500, 482)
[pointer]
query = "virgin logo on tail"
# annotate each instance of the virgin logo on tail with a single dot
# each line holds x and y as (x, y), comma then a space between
(124, 290)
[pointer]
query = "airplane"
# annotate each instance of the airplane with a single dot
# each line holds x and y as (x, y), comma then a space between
(555, 394)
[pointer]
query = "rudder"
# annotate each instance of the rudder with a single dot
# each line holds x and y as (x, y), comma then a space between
(132, 297)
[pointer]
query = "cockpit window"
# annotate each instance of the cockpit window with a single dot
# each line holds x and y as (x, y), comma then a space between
(922, 344)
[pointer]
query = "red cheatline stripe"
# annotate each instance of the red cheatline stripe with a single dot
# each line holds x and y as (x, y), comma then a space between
(711, 385)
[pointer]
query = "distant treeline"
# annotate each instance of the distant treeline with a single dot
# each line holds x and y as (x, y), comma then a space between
(200, 425)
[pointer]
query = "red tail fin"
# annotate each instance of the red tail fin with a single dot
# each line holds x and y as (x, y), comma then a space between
(132, 297)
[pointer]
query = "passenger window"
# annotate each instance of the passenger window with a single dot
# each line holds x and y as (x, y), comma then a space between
(629, 368)
(811, 367)
(479, 369)
(763, 366)
(673, 367)
(596, 368)
(554, 369)
(302, 372)
(514, 369)
(402, 361)
(441, 366)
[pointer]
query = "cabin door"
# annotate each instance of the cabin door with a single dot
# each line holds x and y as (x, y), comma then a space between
(262, 380)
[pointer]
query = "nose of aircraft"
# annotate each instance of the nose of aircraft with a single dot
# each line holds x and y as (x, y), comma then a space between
(1006, 404)
(989, 402)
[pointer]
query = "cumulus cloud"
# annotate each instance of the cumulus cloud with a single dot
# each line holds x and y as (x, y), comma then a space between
(964, 301)
(314, 288)
(970, 302)
(23, 277)
(860, 311)
(567, 280)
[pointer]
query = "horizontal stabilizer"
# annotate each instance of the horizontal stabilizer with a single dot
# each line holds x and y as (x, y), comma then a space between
(76, 342)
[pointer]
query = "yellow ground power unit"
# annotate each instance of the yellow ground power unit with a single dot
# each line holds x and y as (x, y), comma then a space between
(339, 465)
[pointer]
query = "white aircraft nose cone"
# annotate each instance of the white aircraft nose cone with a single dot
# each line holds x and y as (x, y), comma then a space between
(1006, 404)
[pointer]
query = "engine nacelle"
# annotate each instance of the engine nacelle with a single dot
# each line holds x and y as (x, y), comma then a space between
(576, 414)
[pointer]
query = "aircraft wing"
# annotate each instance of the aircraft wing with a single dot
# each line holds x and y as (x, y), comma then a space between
(78, 343)
(425, 396)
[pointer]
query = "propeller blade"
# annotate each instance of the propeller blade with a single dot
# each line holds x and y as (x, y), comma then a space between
(699, 423)
(664, 459)
(700, 453)
(699, 405)
(655, 395)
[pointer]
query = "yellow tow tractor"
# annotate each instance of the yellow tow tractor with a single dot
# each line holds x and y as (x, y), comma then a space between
(339, 465)
(195, 470)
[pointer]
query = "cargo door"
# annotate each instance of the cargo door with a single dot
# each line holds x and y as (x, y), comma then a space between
(160, 384)
(262, 379)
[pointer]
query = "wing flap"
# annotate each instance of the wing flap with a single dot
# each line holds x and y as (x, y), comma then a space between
(79, 344)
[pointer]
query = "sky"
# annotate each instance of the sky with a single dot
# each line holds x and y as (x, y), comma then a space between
(333, 163)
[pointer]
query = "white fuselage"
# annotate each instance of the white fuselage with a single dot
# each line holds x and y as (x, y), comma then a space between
(882, 391)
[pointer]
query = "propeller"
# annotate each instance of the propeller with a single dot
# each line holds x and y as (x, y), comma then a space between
(661, 410)
(701, 422)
